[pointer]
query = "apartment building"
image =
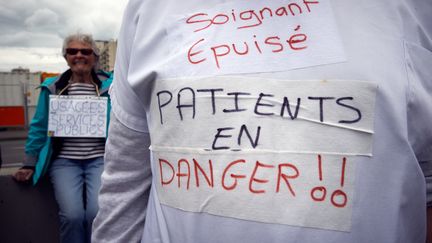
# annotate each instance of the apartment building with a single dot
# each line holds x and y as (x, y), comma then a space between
(108, 51)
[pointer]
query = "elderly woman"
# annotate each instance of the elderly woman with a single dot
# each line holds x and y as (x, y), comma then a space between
(74, 164)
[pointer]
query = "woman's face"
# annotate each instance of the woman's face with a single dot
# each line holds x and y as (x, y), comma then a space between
(82, 61)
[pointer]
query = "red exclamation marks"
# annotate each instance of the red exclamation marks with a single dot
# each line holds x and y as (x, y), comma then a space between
(338, 198)
(319, 193)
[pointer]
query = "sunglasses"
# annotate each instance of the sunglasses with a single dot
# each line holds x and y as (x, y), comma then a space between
(74, 51)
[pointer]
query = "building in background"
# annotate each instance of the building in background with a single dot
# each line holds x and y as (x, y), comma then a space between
(18, 97)
(108, 50)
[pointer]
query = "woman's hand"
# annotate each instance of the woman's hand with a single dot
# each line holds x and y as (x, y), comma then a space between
(23, 174)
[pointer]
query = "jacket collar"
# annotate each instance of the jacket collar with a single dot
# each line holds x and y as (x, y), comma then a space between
(62, 81)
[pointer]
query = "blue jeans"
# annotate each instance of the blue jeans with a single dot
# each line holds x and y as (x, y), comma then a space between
(76, 208)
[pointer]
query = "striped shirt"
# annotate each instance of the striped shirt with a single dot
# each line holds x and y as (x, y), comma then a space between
(82, 148)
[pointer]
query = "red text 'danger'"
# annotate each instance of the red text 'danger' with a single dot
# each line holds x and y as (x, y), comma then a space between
(234, 175)
(292, 180)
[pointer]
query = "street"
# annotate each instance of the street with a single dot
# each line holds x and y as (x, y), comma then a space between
(12, 142)
(12, 152)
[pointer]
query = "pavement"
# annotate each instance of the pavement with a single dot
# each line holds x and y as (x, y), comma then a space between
(10, 134)
(8, 171)
(13, 134)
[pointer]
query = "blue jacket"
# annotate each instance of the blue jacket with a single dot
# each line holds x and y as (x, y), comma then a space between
(39, 147)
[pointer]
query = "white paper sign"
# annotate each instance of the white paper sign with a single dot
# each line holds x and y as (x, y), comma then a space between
(77, 116)
(275, 151)
(253, 36)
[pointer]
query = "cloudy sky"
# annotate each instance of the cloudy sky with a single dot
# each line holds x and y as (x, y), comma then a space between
(32, 31)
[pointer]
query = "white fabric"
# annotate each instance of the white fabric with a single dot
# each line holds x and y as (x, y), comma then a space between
(388, 43)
